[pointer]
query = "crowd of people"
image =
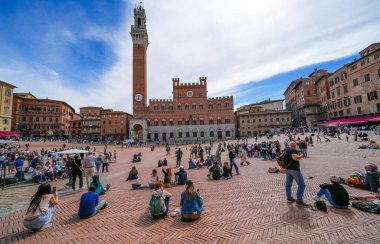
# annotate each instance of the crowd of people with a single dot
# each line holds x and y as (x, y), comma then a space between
(292, 151)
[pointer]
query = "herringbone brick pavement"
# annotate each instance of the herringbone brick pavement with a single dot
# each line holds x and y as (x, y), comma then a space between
(249, 208)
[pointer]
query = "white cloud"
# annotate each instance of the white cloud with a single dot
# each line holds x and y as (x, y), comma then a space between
(231, 42)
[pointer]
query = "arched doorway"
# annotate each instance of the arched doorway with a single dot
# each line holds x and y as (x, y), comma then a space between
(138, 132)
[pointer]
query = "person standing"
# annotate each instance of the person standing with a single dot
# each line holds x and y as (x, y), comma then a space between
(244, 157)
(179, 157)
(89, 168)
(218, 155)
(77, 171)
(232, 156)
(292, 158)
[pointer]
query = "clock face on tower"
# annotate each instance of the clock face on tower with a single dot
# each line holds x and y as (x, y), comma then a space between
(138, 97)
(189, 94)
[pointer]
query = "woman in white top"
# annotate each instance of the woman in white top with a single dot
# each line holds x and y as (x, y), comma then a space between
(153, 179)
(41, 208)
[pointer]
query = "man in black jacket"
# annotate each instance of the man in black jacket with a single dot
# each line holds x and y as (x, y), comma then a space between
(334, 193)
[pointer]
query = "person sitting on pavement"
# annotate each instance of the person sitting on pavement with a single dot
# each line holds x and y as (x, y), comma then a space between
(41, 208)
(37, 175)
(58, 169)
(168, 177)
(191, 164)
(159, 202)
(48, 171)
(208, 161)
(133, 174)
(227, 171)
(191, 203)
(334, 193)
(153, 179)
(98, 185)
(373, 145)
(159, 163)
(89, 204)
(215, 171)
(372, 178)
(181, 176)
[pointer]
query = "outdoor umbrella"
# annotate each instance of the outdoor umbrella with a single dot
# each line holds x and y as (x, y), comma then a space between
(73, 151)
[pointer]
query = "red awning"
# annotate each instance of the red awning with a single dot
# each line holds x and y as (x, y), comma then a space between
(8, 133)
(353, 120)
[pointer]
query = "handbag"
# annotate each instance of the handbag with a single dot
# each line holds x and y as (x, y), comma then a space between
(320, 205)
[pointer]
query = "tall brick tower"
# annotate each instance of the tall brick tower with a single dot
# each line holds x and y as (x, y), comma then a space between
(140, 44)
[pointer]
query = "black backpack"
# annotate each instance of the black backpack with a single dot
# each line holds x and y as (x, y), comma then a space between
(281, 160)
(321, 205)
(216, 175)
(367, 206)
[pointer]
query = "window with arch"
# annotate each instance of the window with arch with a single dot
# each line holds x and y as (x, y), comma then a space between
(171, 107)
(155, 108)
(226, 105)
(179, 107)
(194, 107)
(210, 106)
(163, 107)
(187, 106)
(218, 106)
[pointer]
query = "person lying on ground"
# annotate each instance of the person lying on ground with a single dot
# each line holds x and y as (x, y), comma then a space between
(181, 176)
(368, 197)
(41, 208)
(133, 174)
(335, 194)
(89, 204)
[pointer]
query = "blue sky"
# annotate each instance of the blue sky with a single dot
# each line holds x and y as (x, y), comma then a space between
(79, 51)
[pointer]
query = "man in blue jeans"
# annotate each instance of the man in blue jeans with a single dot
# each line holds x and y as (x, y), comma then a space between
(292, 158)
(335, 193)
(232, 156)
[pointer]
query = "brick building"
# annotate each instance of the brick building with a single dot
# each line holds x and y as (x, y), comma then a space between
(90, 123)
(114, 125)
(189, 116)
(75, 128)
(261, 118)
(301, 99)
(322, 91)
(41, 117)
(352, 90)
(6, 101)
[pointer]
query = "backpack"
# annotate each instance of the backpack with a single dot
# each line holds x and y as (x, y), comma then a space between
(281, 161)
(321, 205)
(367, 206)
(156, 209)
(216, 174)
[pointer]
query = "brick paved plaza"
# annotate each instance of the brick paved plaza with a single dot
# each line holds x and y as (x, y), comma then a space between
(249, 208)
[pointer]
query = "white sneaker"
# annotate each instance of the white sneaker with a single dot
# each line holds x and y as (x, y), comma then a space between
(316, 198)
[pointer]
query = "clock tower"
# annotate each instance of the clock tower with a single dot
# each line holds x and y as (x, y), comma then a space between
(139, 36)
